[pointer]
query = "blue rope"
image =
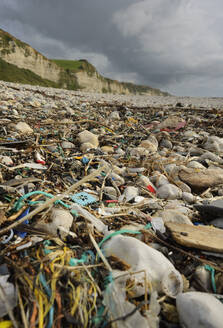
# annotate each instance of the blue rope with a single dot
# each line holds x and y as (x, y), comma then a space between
(49, 293)
(212, 271)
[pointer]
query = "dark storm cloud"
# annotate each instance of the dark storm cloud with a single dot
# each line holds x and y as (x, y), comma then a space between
(175, 45)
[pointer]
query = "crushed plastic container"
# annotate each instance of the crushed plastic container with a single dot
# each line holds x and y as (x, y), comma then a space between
(159, 270)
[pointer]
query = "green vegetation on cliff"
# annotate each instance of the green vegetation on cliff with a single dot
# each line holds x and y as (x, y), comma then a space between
(71, 65)
(6, 39)
(75, 65)
(68, 80)
(12, 73)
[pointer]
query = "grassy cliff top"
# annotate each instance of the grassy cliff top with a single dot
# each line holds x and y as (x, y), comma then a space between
(75, 65)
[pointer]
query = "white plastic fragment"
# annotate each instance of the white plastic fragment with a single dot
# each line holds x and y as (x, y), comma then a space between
(39, 158)
(145, 181)
(117, 178)
(159, 270)
(199, 310)
(35, 166)
(99, 225)
(117, 305)
(203, 276)
(6, 160)
(8, 296)
(60, 221)
(129, 194)
(158, 224)
(153, 313)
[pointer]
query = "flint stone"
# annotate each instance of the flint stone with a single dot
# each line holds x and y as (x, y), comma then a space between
(188, 197)
(129, 193)
(214, 143)
(169, 191)
(201, 179)
(120, 151)
(218, 223)
(159, 180)
(170, 122)
(195, 165)
(183, 186)
(212, 210)
(139, 151)
(70, 111)
(107, 149)
(204, 277)
(23, 128)
(159, 270)
(212, 157)
(166, 144)
(111, 192)
(114, 115)
(174, 216)
(85, 146)
(67, 145)
(88, 137)
(151, 144)
(190, 134)
(119, 170)
(169, 168)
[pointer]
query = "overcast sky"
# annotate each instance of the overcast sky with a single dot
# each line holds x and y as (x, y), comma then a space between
(174, 45)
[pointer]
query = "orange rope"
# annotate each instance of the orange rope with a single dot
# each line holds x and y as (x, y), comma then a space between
(34, 315)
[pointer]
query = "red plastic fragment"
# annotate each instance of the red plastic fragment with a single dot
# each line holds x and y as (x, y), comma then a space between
(40, 162)
(151, 189)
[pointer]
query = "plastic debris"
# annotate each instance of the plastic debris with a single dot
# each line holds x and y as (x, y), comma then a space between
(199, 310)
(159, 271)
(110, 209)
(8, 297)
(83, 198)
